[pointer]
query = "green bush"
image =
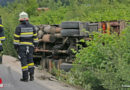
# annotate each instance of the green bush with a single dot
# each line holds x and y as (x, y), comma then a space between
(50, 17)
(104, 64)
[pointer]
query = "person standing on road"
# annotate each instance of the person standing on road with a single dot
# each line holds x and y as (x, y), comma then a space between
(25, 39)
(2, 38)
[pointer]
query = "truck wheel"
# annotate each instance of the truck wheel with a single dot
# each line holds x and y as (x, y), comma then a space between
(92, 27)
(70, 25)
(65, 66)
(70, 32)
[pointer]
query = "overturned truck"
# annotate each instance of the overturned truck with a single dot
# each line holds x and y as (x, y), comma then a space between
(57, 43)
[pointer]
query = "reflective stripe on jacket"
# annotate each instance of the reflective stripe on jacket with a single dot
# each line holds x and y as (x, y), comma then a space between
(25, 34)
(2, 37)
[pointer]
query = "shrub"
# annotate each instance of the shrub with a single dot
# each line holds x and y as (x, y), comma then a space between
(104, 64)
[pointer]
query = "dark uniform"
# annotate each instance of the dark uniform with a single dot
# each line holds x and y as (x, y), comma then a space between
(2, 38)
(25, 39)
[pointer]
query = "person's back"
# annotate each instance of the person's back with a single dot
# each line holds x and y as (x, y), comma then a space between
(25, 39)
(27, 33)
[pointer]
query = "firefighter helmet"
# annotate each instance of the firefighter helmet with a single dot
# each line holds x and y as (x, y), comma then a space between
(23, 16)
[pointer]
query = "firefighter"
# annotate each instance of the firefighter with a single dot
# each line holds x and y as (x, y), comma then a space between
(2, 38)
(25, 39)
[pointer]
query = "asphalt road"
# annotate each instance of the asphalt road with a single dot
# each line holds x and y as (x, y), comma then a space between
(11, 81)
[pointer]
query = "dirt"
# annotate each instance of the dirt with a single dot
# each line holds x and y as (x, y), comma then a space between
(41, 76)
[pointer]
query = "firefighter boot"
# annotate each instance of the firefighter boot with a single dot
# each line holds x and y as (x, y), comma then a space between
(31, 77)
(31, 70)
(25, 76)
(24, 80)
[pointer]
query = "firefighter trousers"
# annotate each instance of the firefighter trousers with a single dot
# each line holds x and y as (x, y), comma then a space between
(25, 54)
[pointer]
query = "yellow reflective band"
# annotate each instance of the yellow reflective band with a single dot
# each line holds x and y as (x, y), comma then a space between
(2, 37)
(27, 33)
(28, 43)
(31, 64)
(17, 41)
(0, 41)
(16, 35)
(24, 67)
(36, 39)
(35, 34)
(1, 25)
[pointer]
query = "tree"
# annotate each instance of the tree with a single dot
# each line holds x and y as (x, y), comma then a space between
(31, 6)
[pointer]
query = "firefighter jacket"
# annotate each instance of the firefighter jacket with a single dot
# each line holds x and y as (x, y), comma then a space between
(2, 37)
(25, 34)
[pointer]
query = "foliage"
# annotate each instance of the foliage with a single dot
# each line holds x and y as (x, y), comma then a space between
(31, 6)
(104, 64)
(60, 10)
(50, 17)
(84, 10)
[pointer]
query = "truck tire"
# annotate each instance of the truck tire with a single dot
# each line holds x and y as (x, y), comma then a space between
(92, 27)
(65, 66)
(70, 32)
(70, 25)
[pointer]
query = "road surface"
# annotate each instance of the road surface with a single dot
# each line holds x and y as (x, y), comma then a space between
(11, 81)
